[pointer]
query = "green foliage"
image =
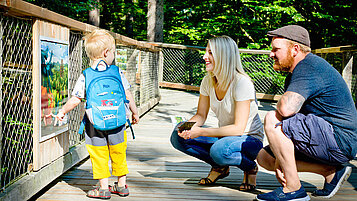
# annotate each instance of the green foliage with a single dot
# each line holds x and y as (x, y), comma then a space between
(247, 21)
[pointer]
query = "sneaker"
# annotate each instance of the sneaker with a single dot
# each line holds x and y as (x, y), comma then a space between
(121, 191)
(279, 195)
(99, 193)
(330, 189)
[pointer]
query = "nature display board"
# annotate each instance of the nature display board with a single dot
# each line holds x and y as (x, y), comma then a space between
(54, 85)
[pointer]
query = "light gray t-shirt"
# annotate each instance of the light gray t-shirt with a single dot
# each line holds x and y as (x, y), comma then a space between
(240, 89)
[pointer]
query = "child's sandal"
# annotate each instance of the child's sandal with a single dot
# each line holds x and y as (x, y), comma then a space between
(245, 186)
(224, 172)
(121, 191)
(99, 193)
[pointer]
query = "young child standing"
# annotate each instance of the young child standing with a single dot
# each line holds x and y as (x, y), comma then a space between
(100, 48)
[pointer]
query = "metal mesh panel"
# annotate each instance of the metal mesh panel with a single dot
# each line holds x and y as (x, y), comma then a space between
(16, 98)
(78, 61)
(183, 66)
(148, 76)
(259, 68)
(188, 67)
(141, 70)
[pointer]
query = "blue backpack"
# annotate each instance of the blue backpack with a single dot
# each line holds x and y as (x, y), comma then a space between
(106, 100)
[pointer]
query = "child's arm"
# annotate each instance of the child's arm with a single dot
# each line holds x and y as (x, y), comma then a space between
(70, 105)
(132, 106)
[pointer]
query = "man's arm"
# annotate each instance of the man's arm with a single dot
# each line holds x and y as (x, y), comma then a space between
(290, 103)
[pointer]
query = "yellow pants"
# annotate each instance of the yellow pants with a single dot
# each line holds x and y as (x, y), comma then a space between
(100, 152)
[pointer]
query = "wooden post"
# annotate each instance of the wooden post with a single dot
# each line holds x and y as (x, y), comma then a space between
(36, 79)
(347, 72)
(1, 98)
(52, 148)
(161, 67)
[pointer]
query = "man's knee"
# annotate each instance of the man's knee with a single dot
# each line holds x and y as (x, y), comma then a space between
(269, 121)
(265, 160)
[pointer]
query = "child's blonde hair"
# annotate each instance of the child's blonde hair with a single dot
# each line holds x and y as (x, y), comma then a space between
(96, 42)
(227, 61)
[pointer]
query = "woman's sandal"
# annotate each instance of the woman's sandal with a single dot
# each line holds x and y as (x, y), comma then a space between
(224, 172)
(245, 186)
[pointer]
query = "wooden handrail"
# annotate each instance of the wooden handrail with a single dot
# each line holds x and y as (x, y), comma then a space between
(340, 49)
(24, 9)
(189, 47)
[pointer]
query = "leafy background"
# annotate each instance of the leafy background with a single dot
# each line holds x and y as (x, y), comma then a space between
(330, 22)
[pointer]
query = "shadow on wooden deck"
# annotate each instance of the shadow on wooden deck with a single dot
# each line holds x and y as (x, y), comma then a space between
(158, 171)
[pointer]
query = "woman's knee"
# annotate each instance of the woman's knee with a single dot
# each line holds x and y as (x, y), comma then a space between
(218, 154)
(174, 139)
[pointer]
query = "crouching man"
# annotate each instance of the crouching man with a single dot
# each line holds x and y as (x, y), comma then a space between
(314, 128)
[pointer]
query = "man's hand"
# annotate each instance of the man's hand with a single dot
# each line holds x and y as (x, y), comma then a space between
(279, 174)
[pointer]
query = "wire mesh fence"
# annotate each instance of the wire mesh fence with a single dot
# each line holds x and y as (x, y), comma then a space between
(78, 61)
(339, 61)
(260, 69)
(187, 66)
(16, 98)
(141, 69)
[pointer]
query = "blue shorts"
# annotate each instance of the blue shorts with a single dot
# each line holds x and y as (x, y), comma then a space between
(313, 139)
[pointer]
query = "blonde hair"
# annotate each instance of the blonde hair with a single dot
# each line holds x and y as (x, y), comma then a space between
(227, 61)
(97, 42)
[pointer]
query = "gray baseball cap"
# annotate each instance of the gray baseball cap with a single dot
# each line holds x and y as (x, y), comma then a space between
(292, 32)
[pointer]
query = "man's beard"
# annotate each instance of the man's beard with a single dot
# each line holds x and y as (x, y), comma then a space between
(285, 64)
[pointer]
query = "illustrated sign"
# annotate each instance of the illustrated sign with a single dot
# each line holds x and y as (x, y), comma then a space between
(54, 85)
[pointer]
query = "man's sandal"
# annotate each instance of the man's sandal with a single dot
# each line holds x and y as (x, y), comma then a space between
(224, 172)
(99, 193)
(245, 186)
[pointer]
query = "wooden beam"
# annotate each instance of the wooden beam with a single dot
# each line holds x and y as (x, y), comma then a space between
(260, 96)
(188, 47)
(24, 9)
(339, 49)
(179, 86)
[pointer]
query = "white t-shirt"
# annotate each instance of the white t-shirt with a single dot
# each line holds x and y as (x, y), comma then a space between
(79, 89)
(240, 89)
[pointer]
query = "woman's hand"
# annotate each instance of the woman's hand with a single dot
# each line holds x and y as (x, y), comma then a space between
(184, 134)
(191, 134)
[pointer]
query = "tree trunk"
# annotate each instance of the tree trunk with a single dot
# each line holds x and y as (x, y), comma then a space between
(129, 20)
(94, 18)
(155, 29)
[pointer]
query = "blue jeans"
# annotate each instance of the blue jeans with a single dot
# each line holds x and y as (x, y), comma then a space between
(240, 151)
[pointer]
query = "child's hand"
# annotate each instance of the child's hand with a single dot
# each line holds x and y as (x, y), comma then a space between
(60, 115)
(135, 118)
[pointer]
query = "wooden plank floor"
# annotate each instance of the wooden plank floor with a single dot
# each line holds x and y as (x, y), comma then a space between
(158, 171)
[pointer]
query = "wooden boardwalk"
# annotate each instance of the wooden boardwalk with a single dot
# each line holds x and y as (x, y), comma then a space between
(158, 171)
